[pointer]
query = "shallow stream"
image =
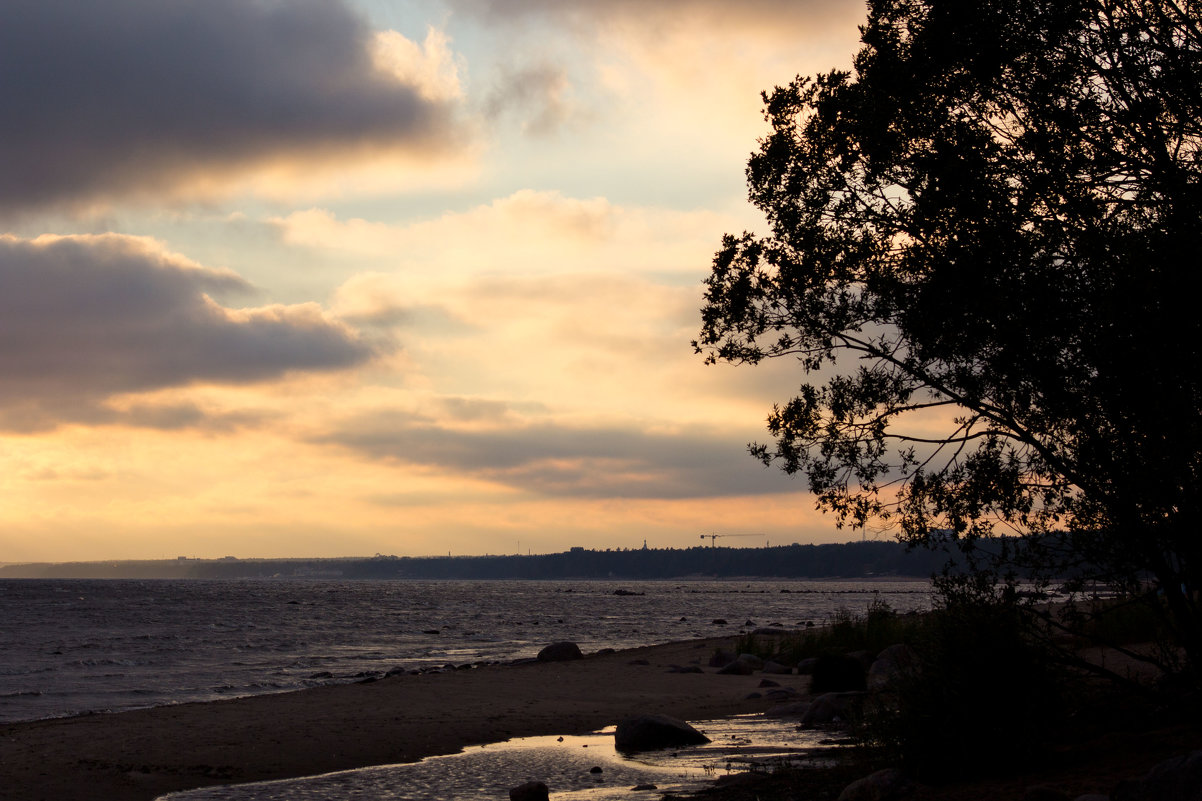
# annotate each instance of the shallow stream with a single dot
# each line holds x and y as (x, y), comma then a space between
(565, 764)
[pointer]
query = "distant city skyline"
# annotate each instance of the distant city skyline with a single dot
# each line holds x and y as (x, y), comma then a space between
(313, 278)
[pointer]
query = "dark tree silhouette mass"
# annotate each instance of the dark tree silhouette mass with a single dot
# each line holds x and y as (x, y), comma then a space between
(981, 244)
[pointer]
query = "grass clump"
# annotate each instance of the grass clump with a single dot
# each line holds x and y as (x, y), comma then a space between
(878, 627)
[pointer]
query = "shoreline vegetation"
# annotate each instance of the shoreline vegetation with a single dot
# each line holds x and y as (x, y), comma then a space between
(864, 559)
(1097, 737)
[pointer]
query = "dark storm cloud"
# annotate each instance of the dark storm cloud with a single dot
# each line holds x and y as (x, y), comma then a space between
(599, 462)
(85, 318)
(101, 98)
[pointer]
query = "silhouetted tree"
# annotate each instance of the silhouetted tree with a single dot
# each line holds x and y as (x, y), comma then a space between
(980, 247)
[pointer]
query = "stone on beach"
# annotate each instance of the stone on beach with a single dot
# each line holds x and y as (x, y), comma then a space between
(831, 708)
(880, 786)
(795, 709)
(753, 660)
(738, 667)
(781, 694)
(890, 665)
(651, 732)
(530, 791)
(560, 652)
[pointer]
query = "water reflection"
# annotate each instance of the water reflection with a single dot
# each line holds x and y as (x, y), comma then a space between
(566, 765)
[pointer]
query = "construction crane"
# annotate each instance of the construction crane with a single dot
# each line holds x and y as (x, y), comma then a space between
(713, 537)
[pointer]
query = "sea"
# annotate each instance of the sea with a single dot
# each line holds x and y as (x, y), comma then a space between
(80, 646)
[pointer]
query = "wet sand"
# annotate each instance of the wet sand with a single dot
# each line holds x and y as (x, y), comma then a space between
(138, 755)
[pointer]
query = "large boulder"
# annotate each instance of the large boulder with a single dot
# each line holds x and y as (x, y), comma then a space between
(530, 791)
(880, 786)
(890, 665)
(560, 652)
(781, 694)
(831, 709)
(650, 732)
(753, 660)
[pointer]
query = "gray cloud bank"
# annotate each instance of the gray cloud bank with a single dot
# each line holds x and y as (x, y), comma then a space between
(85, 318)
(555, 460)
(103, 98)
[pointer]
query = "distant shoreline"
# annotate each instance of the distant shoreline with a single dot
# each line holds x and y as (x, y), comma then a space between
(864, 560)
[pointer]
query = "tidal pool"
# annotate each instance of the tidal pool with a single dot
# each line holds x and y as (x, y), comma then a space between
(565, 764)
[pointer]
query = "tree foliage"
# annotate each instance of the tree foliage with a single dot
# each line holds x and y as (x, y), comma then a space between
(980, 250)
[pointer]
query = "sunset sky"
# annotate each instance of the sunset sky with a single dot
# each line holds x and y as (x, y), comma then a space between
(321, 278)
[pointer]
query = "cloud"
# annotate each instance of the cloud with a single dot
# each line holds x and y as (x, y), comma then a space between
(87, 318)
(380, 300)
(759, 15)
(686, 74)
(780, 18)
(526, 232)
(147, 97)
(538, 94)
(553, 459)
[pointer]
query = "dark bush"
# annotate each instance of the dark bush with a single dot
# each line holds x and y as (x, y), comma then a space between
(836, 674)
(982, 698)
(875, 630)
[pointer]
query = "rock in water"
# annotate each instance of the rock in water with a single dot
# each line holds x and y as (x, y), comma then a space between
(825, 710)
(649, 732)
(796, 709)
(560, 652)
(530, 791)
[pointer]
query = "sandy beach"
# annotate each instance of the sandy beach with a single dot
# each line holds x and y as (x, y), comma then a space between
(141, 754)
